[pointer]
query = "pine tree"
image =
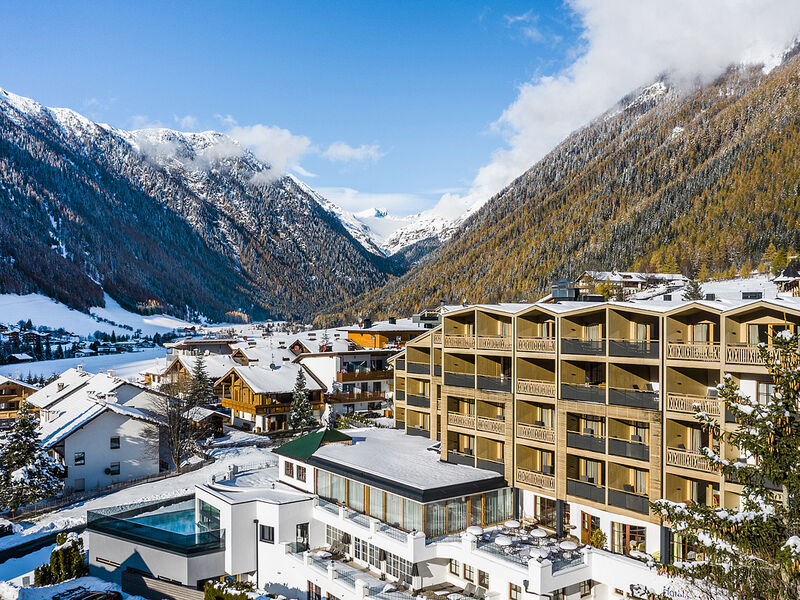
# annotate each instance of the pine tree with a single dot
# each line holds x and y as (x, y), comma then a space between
(200, 389)
(300, 413)
(752, 551)
(27, 473)
(780, 262)
(693, 291)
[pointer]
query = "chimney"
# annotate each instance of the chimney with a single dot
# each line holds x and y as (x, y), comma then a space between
(111, 373)
(367, 323)
(79, 368)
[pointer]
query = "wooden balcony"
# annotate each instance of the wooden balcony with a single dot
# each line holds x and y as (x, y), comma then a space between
(536, 479)
(685, 403)
(541, 345)
(535, 387)
(687, 459)
(460, 420)
(491, 425)
(495, 343)
(746, 354)
(459, 341)
(344, 398)
(437, 339)
(536, 433)
(686, 351)
(353, 376)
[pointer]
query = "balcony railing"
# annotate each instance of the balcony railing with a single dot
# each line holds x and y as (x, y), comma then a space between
(466, 380)
(629, 500)
(585, 489)
(459, 341)
(400, 365)
(350, 376)
(581, 346)
(460, 420)
(543, 345)
(583, 393)
(633, 348)
(536, 387)
(460, 458)
(628, 449)
(633, 398)
(494, 384)
(536, 479)
(421, 368)
(437, 339)
(345, 397)
(687, 459)
(400, 395)
(536, 433)
(746, 354)
(685, 403)
(490, 464)
(419, 401)
(486, 342)
(688, 351)
(491, 425)
(581, 441)
(437, 370)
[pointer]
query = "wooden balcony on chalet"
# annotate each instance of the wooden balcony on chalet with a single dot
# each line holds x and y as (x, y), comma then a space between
(707, 352)
(346, 398)
(534, 387)
(437, 339)
(536, 479)
(495, 342)
(540, 345)
(686, 403)
(536, 433)
(490, 425)
(354, 376)
(459, 341)
(688, 459)
(461, 420)
(747, 354)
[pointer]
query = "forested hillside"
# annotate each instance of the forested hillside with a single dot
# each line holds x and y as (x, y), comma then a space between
(186, 223)
(693, 180)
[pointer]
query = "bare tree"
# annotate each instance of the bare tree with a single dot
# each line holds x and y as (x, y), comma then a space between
(175, 433)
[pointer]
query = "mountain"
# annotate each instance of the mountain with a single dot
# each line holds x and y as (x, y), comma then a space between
(670, 178)
(184, 222)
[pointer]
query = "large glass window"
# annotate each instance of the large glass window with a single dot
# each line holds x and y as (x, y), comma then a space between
(625, 538)
(338, 489)
(356, 495)
(394, 510)
(412, 515)
(436, 524)
(456, 514)
(497, 506)
(324, 484)
(376, 503)
(475, 510)
(209, 516)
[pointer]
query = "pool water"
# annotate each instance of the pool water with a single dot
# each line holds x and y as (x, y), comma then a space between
(180, 521)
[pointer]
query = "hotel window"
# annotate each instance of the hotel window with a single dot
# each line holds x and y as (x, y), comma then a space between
(355, 495)
(592, 332)
(497, 506)
(466, 444)
(456, 514)
(398, 567)
(267, 534)
(483, 579)
(338, 489)
(455, 567)
(436, 524)
(701, 333)
(558, 595)
(765, 392)
(301, 473)
(288, 469)
(114, 469)
(114, 443)
(475, 510)
(585, 588)
(514, 592)
(469, 573)
(412, 515)
(394, 510)
(79, 459)
(625, 538)
(376, 503)
(314, 592)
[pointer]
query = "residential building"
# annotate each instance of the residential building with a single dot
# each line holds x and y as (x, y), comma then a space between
(12, 394)
(393, 333)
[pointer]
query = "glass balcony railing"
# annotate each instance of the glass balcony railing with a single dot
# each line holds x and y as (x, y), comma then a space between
(583, 393)
(633, 398)
(633, 348)
(628, 449)
(587, 490)
(581, 346)
(629, 500)
(585, 441)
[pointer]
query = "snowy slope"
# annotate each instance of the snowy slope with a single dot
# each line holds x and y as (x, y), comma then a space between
(127, 365)
(42, 310)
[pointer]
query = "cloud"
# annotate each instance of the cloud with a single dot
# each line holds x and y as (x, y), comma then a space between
(226, 120)
(342, 152)
(523, 18)
(144, 122)
(278, 147)
(186, 123)
(625, 45)
(396, 203)
(302, 172)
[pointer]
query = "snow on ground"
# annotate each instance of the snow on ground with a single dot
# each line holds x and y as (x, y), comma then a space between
(179, 485)
(42, 310)
(234, 437)
(16, 567)
(126, 365)
(11, 592)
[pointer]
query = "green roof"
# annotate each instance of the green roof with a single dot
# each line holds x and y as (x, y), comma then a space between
(303, 447)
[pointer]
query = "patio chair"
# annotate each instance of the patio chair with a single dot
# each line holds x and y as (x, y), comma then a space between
(470, 589)
(480, 593)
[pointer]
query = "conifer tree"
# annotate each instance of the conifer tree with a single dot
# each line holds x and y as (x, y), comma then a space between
(752, 551)
(780, 262)
(704, 274)
(200, 389)
(27, 473)
(300, 414)
(693, 291)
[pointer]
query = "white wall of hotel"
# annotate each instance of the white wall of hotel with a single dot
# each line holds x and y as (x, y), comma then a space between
(135, 455)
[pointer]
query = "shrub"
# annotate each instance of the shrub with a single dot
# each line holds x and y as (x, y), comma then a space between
(215, 590)
(598, 539)
(66, 562)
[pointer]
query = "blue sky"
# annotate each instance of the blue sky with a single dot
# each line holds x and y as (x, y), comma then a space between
(402, 105)
(411, 88)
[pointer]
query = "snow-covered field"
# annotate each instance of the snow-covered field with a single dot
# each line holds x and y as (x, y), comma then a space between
(42, 310)
(126, 365)
(11, 592)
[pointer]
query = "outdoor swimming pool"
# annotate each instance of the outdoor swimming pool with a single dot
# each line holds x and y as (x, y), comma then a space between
(180, 521)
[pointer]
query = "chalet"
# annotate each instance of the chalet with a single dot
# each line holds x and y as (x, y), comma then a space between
(393, 333)
(19, 358)
(12, 393)
(180, 367)
(626, 282)
(31, 337)
(261, 398)
(193, 346)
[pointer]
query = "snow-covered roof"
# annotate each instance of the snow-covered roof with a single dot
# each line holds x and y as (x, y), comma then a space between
(199, 413)
(280, 380)
(408, 461)
(633, 277)
(4, 379)
(67, 383)
(216, 364)
(381, 326)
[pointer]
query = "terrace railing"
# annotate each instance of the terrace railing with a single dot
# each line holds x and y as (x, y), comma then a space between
(536, 433)
(541, 345)
(687, 351)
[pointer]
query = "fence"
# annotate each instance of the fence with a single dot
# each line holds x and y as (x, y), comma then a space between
(67, 499)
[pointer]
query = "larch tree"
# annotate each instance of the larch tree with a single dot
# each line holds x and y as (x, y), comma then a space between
(300, 413)
(751, 551)
(27, 473)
